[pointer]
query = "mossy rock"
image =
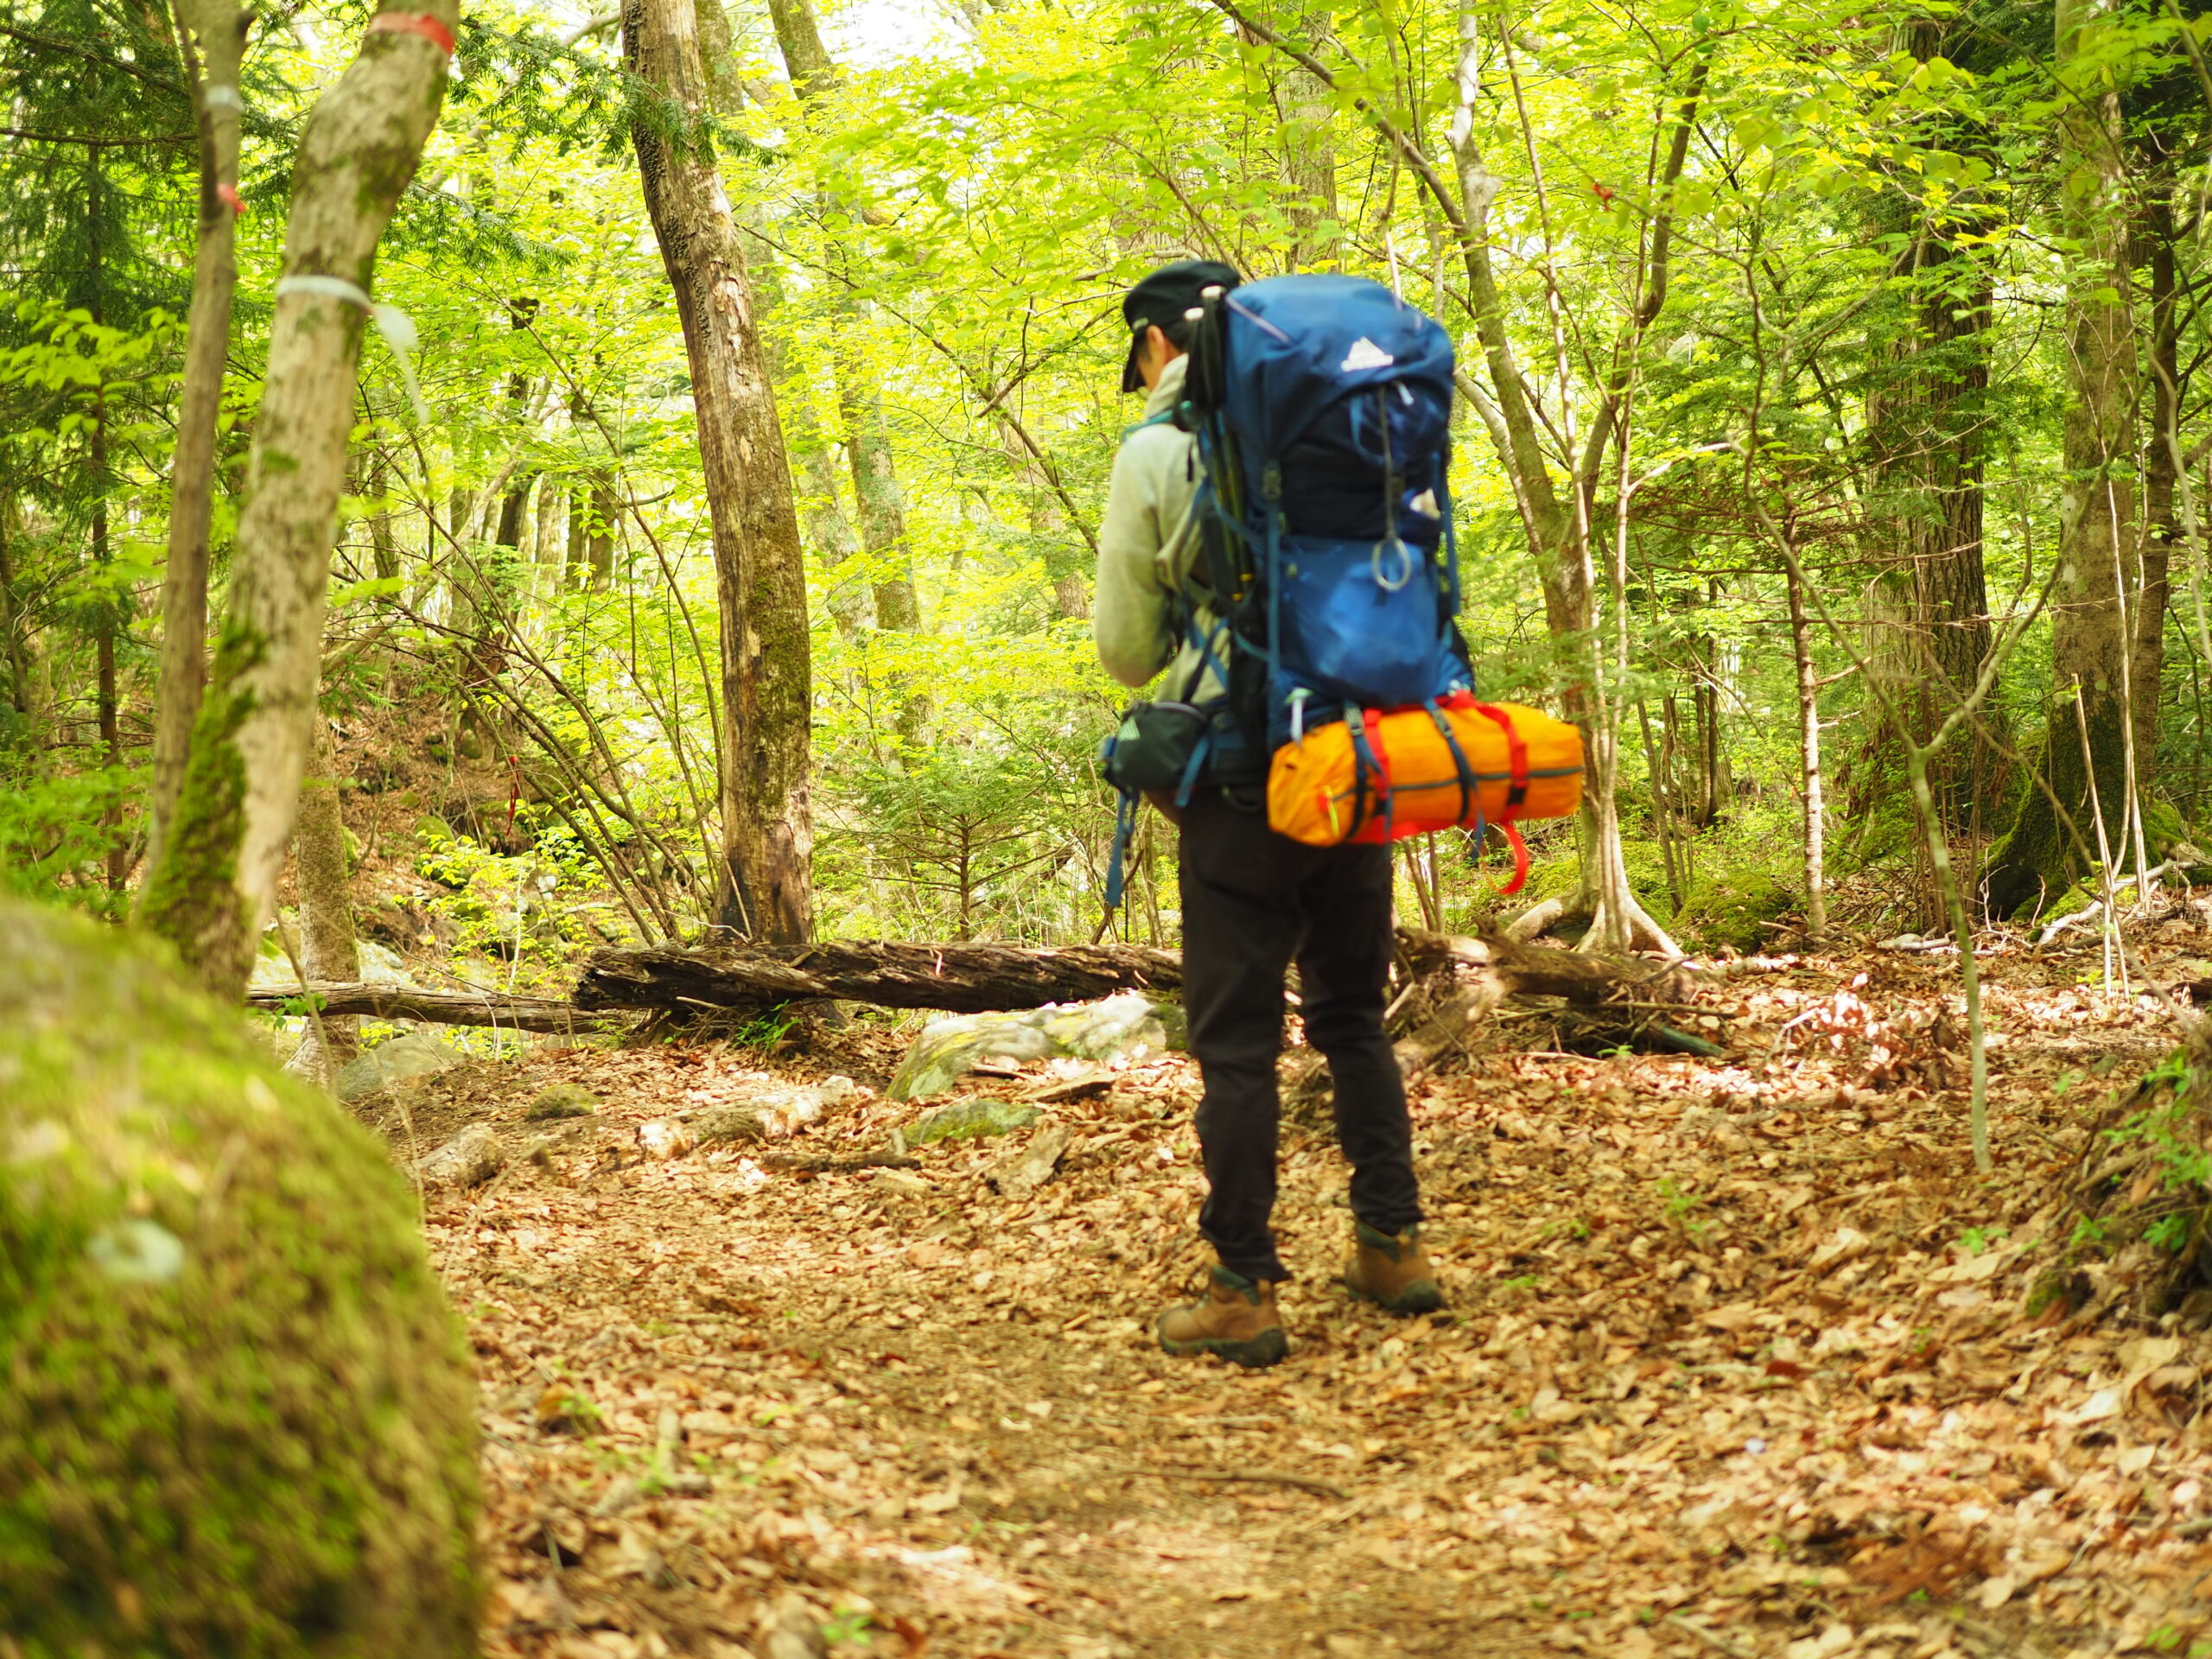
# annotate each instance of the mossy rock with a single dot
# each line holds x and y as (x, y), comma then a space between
(1734, 907)
(235, 1416)
(2170, 835)
(966, 1120)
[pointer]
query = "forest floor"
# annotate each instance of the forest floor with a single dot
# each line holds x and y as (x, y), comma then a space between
(1737, 1360)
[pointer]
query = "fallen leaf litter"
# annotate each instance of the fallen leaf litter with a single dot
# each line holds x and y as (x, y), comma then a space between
(1737, 1359)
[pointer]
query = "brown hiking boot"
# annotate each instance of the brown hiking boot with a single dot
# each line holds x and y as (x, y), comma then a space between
(1393, 1273)
(1236, 1320)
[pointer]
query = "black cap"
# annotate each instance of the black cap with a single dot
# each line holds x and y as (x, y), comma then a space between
(1161, 299)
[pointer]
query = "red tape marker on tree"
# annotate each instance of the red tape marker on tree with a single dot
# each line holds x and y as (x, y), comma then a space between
(414, 22)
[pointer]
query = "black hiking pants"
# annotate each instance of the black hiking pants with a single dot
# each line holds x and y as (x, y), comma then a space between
(1255, 901)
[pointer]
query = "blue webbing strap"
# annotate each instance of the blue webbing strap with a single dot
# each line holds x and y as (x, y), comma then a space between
(1192, 767)
(1203, 642)
(1451, 542)
(1362, 762)
(1125, 829)
(1459, 758)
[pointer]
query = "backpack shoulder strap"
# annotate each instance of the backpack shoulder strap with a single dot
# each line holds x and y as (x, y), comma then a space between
(1160, 419)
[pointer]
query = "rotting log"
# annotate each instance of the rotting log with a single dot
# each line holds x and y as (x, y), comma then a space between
(436, 1007)
(1460, 982)
(967, 978)
(1599, 993)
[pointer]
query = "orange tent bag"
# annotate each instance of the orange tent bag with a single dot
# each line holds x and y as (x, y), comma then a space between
(1378, 776)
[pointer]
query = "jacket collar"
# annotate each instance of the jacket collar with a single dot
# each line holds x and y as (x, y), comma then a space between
(1169, 391)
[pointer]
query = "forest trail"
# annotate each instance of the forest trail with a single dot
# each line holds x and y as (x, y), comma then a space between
(1736, 1363)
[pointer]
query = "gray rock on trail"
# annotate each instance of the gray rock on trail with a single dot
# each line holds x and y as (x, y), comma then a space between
(469, 1158)
(1127, 1023)
(1025, 1169)
(968, 1120)
(664, 1137)
(420, 1053)
(771, 1110)
(562, 1100)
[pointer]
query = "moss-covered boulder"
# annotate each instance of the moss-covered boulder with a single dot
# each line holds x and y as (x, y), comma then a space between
(235, 1415)
(1733, 907)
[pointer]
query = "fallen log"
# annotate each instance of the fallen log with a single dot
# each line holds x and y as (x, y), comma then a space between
(1461, 982)
(435, 1007)
(969, 978)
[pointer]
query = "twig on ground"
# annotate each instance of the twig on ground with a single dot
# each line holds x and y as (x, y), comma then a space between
(1250, 1477)
(819, 1166)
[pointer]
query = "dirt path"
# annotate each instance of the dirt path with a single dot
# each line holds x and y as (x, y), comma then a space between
(1737, 1364)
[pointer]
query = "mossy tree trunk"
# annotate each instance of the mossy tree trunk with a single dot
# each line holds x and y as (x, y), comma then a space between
(767, 889)
(211, 38)
(1926, 419)
(1557, 524)
(215, 884)
(2161, 508)
(330, 951)
(2041, 855)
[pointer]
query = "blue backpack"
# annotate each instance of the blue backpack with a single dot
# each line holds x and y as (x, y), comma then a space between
(1322, 408)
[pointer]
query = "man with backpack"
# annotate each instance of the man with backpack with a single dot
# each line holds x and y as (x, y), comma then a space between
(1253, 900)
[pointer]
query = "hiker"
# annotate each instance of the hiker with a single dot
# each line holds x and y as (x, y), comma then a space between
(1254, 901)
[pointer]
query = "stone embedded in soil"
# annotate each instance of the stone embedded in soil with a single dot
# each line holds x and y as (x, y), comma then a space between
(664, 1137)
(1127, 1023)
(420, 1053)
(470, 1158)
(967, 1119)
(1023, 1171)
(562, 1100)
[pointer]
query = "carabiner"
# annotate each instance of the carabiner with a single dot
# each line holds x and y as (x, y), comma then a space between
(1405, 564)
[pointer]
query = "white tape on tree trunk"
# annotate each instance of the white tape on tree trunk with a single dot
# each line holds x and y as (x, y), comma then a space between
(394, 324)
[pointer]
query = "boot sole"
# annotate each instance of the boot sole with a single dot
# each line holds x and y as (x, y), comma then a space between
(1420, 1296)
(1269, 1348)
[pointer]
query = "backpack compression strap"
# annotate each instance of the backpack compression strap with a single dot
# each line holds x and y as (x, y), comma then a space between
(1516, 792)
(1125, 829)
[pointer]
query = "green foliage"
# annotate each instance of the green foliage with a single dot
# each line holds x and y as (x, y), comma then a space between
(55, 835)
(936, 245)
(510, 906)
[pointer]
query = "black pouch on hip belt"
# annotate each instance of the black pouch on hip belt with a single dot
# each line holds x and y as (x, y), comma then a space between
(1153, 747)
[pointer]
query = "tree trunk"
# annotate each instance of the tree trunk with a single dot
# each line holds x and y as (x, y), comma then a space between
(2161, 513)
(1928, 427)
(215, 886)
(353, 1001)
(384, 546)
(766, 890)
(1558, 530)
(2040, 856)
(860, 400)
(21, 683)
(1309, 154)
(107, 693)
(221, 29)
(1809, 744)
(591, 533)
(329, 951)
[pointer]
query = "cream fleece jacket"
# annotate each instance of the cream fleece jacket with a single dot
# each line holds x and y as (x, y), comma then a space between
(1146, 549)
